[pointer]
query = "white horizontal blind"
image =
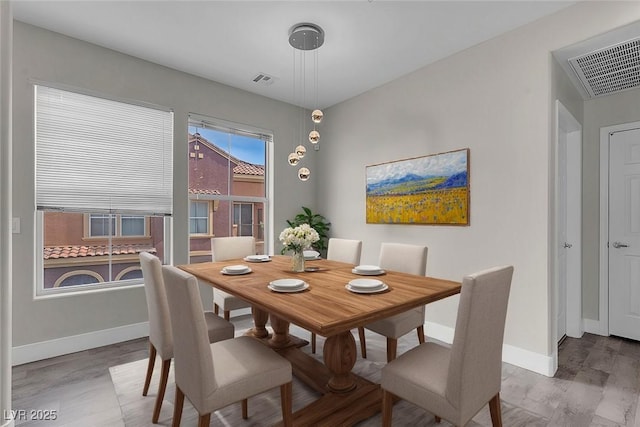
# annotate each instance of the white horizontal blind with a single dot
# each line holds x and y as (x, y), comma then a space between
(95, 154)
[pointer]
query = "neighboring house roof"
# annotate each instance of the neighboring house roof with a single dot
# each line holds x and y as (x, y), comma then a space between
(57, 252)
(248, 169)
(203, 191)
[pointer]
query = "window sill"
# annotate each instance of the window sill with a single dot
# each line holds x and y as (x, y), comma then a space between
(52, 293)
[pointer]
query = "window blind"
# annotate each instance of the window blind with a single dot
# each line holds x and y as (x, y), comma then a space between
(95, 154)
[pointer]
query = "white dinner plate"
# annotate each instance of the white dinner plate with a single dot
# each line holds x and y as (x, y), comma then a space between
(311, 255)
(368, 273)
(367, 268)
(235, 270)
(257, 258)
(287, 283)
(304, 286)
(366, 291)
(365, 284)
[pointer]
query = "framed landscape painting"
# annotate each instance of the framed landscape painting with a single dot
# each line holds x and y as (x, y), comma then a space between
(423, 190)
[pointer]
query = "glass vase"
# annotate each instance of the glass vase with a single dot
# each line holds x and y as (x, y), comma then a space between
(297, 261)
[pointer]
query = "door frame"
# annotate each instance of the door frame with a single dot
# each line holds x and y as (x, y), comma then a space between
(603, 245)
(566, 122)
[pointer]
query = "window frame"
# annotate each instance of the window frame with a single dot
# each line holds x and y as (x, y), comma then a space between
(84, 234)
(210, 209)
(117, 233)
(199, 121)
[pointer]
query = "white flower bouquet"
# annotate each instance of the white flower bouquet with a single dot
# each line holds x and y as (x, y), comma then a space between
(299, 238)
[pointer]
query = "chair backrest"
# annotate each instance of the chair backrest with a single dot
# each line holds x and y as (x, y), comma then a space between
(344, 250)
(159, 322)
(475, 368)
(404, 258)
(192, 354)
(224, 248)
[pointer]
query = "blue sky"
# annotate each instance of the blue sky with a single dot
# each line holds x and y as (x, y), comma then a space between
(250, 150)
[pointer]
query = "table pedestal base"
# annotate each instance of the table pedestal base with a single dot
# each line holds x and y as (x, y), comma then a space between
(363, 400)
(346, 398)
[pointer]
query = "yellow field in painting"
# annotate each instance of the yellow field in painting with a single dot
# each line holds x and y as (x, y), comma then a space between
(433, 207)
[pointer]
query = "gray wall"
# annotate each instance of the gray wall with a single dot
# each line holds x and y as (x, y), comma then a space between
(43, 56)
(497, 99)
(599, 112)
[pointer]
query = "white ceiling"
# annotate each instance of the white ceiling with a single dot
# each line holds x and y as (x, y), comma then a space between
(367, 43)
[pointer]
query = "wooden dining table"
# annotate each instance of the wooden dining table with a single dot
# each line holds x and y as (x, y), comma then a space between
(327, 308)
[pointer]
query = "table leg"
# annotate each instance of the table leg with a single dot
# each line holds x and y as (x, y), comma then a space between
(340, 357)
(280, 337)
(260, 318)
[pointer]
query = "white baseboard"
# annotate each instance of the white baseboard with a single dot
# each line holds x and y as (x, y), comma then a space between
(57, 347)
(594, 327)
(513, 355)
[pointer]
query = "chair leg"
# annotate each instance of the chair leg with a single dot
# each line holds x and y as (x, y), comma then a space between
(438, 419)
(496, 413)
(420, 331)
(286, 398)
(387, 408)
(177, 407)
(313, 342)
(363, 343)
(166, 364)
(245, 409)
(152, 361)
(392, 348)
(227, 314)
(204, 420)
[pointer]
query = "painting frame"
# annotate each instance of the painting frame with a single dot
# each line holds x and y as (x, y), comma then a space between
(433, 189)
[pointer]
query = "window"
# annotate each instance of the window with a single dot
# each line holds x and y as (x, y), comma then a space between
(199, 217)
(243, 219)
(228, 179)
(101, 225)
(103, 189)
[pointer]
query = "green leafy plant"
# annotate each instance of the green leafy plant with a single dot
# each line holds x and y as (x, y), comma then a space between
(318, 223)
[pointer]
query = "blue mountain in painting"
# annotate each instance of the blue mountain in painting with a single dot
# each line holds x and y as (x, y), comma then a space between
(414, 184)
(457, 180)
(392, 182)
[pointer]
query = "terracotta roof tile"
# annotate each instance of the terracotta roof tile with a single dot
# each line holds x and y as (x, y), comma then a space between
(78, 251)
(248, 169)
(203, 191)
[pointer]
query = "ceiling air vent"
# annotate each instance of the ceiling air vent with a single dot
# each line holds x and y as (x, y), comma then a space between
(609, 70)
(264, 79)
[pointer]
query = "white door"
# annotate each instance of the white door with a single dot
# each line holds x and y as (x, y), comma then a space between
(568, 224)
(624, 234)
(562, 234)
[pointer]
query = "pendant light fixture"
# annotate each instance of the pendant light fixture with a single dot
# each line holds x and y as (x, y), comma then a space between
(305, 37)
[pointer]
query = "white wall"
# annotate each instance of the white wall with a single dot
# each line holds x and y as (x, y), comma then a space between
(497, 99)
(43, 56)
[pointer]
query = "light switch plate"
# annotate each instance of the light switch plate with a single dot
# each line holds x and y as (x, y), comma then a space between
(15, 225)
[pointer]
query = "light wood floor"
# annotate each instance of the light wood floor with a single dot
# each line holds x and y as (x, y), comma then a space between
(597, 384)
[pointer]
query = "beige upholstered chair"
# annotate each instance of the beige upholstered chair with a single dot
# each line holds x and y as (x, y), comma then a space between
(455, 383)
(222, 249)
(343, 250)
(410, 259)
(213, 376)
(160, 337)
